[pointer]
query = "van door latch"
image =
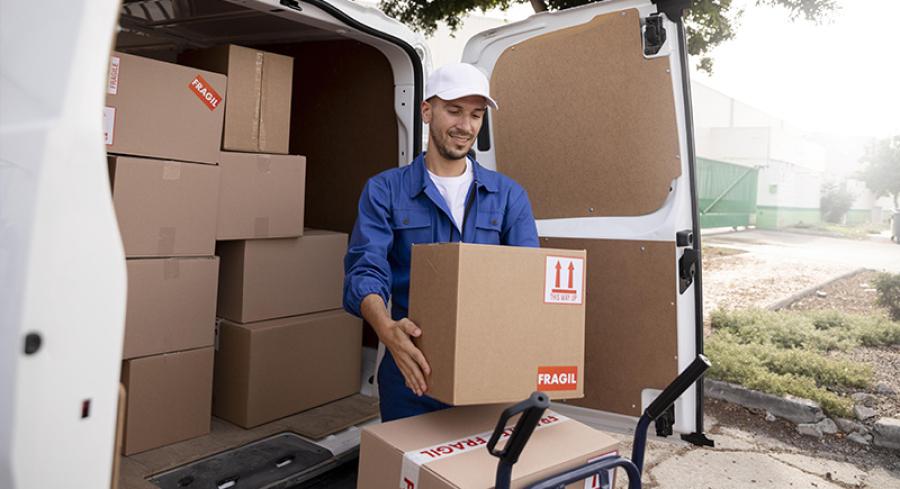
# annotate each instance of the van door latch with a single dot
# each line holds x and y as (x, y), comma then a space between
(687, 268)
(654, 35)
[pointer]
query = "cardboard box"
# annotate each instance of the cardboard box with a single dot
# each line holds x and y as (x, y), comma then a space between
(171, 305)
(271, 278)
(261, 196)
(258, 107)
(271, 369)
(447, 449)
(499, 322)
(165, 208)
(169, 398)
(163, 110)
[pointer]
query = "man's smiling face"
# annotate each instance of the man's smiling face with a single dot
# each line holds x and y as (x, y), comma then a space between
(453, 124)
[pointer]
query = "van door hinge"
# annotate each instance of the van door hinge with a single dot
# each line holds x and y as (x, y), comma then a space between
(654, 35)
(687, 268)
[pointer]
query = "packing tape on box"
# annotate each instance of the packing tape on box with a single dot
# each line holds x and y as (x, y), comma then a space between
(264, 163)
(166, 243)
(257, 89)
(261, 227)
(171, 268)
(171, 171)
(413, 460)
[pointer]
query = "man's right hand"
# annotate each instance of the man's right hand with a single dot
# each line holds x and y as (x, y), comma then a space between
(397, 337)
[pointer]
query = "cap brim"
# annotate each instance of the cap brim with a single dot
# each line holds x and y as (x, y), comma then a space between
(460, 93)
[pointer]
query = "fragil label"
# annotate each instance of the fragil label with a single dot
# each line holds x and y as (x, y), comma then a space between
(205, 93)
(564, 282)
(112, 82)
(413, 461)
(557, 378)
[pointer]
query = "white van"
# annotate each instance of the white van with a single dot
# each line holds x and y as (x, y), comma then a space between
(595, 123)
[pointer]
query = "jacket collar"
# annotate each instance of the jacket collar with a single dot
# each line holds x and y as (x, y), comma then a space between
(419, 180)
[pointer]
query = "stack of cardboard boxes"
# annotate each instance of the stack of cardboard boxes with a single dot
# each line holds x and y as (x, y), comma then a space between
(220, 172)
(283, 343)
(163, 127)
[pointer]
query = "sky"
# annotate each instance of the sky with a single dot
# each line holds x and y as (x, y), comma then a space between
(840, 77)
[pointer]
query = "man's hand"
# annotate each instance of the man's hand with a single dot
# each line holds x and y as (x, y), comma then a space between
(397, 338)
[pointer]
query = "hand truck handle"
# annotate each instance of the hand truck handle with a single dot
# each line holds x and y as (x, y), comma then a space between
(531, 410)
(671, 393)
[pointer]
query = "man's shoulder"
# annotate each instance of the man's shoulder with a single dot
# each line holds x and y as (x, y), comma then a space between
(502, 182)
(389, 178)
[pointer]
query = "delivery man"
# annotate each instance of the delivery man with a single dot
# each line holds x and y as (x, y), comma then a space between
(442, 196)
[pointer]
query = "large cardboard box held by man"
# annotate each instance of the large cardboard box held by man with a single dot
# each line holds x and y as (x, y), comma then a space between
(163, 110)
(447, 450)
(169, 398)
(271, 369)
(258, 107)
(171, 305)
(261, 196)
(499, 322)
(165, 208)
(272, 278)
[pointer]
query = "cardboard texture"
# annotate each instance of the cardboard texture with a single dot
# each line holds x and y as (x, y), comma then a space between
(171, 305)
(261, 196)
(609, 111)
(169, 398)
(165, 208)
(163, 110)
(631, 334)
(272, 278)
(271, 369)
(490, 331)
(326, 104)
(258, 106)
(558, 444)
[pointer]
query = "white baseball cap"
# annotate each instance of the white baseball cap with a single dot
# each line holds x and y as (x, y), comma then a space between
(458, 80)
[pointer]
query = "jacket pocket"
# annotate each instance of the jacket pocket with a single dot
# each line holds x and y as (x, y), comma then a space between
(411, 226)
(488, 225)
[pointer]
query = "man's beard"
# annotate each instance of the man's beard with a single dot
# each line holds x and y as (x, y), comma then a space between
(446, 150)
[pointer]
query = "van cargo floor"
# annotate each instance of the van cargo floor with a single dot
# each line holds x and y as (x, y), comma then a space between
(258, 464)
(137, 470)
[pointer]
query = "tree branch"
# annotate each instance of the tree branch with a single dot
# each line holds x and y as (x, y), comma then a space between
(539, 5)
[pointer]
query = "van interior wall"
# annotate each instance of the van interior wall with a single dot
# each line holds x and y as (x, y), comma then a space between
(343, 121)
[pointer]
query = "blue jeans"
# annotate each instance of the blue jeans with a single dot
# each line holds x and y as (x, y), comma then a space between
(397, 400)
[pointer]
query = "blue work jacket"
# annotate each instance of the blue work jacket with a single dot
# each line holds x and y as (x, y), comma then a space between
(402, 207)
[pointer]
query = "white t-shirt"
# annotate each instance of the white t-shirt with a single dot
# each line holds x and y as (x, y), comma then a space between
(455, 190)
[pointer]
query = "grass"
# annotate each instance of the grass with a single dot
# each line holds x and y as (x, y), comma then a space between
(713, 251)
(859, 231)
(785, 352)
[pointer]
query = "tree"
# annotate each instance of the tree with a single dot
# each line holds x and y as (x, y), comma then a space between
(708, 22)
(882, 171)
(835, 201)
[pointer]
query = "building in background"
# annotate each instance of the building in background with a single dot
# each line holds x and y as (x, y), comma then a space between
(739, 147)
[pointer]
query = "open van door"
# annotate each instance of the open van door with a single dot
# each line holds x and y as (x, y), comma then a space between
(595, 123)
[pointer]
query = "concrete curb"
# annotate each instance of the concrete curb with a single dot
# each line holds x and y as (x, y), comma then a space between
(777, 306)
(793, 409)
(887, 433)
